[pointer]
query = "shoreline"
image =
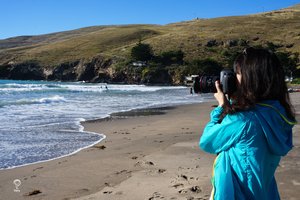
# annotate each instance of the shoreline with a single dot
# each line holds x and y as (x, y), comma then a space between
(135, 112)
(60, 157)
(25, 173)
(81, 129)
(143, 157)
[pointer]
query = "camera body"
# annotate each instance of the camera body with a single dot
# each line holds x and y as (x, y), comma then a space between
(206, 84)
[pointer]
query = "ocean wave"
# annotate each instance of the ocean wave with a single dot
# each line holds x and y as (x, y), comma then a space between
(80, 87)
(118, 88)
(46, 100)
(16, 87)
(54, 99)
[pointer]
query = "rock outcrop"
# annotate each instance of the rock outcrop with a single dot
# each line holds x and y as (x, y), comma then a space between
(22, 71)
(96, 70)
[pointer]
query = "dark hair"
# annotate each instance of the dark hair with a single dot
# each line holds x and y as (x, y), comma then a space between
(262, 79)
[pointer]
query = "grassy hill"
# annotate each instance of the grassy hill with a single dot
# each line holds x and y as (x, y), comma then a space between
(52, 49)
(281, 28)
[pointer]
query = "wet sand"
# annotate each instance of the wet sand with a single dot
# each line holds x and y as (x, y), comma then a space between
(147, 154)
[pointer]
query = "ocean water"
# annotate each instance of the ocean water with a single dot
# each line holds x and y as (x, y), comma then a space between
(40, 120)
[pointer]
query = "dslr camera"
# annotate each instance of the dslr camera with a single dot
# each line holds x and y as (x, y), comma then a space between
(206, 84)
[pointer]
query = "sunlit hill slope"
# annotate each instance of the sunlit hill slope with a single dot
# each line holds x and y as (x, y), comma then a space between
(96, 53)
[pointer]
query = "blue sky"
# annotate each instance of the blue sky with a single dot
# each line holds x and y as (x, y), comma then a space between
(33, 17)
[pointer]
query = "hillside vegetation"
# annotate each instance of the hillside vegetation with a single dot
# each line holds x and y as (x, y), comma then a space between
(108, 48)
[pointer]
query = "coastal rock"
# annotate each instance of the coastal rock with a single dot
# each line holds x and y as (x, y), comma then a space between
(85, 71)
(95, 70)
(64, 72)
(102, 69)
(102, 77)
(160, 76)
(22, 71)
(119, 77)
(4, 71)
(91, 71)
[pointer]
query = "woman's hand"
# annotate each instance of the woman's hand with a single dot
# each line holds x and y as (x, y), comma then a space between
(220, 96)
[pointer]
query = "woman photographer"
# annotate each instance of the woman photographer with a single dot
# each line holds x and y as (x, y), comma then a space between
(250, 132)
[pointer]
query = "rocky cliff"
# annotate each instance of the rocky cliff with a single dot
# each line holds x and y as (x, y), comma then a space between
(96, 70)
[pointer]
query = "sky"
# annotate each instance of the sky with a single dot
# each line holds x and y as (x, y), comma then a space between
(34, 17)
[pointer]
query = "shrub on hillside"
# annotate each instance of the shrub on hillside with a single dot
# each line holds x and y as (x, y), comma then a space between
(141, 52)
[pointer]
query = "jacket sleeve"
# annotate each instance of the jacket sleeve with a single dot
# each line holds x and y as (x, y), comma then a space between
(218, 137)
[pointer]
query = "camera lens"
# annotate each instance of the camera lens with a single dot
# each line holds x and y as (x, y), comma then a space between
(205, 84)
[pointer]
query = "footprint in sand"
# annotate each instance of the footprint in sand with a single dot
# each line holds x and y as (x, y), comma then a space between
(178, 185)
(156, 195)
(32, 193)
(184, 177)
(160, 171)
(194, 189)
(62, 162)
(149, 163)
(37, 168)
(188, 133)
(119, 193)
(83, 190)
(123, 172)
(144, 163)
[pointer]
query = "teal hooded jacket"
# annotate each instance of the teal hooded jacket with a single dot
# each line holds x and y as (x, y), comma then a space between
(249, 146)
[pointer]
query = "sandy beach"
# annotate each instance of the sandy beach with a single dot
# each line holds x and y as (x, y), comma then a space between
(147, 154)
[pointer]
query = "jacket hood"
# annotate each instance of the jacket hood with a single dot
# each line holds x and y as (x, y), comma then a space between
(276, 126)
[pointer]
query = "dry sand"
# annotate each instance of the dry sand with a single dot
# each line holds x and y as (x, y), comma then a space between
(143, 157)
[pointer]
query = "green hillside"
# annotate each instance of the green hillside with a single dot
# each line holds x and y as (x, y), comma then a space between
(56, 48)
(198, 39)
